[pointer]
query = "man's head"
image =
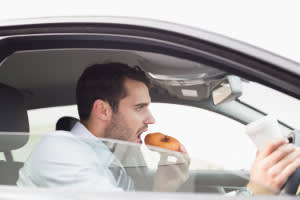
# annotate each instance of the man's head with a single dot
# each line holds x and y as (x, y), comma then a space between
(113, 101)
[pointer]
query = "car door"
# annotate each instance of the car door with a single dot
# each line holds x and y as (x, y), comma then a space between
(224, 54)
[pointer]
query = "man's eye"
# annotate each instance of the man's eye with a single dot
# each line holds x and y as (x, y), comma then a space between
(139, 108)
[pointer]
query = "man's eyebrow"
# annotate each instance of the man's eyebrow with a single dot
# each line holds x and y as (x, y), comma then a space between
(141, 104)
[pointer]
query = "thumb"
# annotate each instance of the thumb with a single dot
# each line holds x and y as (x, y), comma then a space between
(182, 149)
(258, 155)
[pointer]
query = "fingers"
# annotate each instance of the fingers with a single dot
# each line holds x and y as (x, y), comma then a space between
(285, 168)
(284, 162)
(257, 154)
(182, 149)
(275, 169)
(282, 152)
(272, 146)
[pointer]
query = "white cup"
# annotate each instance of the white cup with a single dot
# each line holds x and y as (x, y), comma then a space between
(263, 130)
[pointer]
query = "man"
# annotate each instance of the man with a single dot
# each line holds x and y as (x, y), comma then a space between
(113, 102)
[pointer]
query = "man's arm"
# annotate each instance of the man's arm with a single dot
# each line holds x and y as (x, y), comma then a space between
(273, 166)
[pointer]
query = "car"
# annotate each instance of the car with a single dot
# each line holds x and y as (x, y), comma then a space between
(207, 91)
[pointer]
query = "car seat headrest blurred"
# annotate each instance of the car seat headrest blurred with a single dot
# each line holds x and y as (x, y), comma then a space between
(66, 123)
(13, 118)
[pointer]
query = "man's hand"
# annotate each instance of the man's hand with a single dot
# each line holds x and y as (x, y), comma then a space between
(171, 175)
(273, 166)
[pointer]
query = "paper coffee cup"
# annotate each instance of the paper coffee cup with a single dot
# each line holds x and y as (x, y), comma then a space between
(263, 130)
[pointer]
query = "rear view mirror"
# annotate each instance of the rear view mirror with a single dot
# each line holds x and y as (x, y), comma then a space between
(228, 90)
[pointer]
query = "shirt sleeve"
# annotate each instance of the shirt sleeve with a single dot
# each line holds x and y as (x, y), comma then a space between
(244, 192)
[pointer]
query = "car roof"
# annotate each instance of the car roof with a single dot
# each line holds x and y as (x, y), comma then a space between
(7, 26)
(47, 73)
(223, 49)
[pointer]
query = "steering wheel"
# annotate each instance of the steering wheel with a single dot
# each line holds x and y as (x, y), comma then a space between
(293, 182)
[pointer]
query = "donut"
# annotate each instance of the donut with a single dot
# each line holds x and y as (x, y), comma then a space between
(163, 141)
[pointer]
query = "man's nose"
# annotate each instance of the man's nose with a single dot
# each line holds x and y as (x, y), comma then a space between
(150, 119)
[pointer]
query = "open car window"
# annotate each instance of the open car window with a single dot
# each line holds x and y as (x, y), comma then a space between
(206, 135)
(218, 160)
(130, 166)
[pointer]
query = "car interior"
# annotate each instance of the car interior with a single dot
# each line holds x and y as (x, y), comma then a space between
(65, 123)
(14, 119)
(30, 80)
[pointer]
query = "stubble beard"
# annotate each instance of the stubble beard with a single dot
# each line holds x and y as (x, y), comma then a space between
(118, 129)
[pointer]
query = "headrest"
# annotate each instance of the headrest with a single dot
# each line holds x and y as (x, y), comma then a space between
(13, 118)
(66, 123)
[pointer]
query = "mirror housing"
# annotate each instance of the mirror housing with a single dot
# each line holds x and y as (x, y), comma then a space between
(228, 90)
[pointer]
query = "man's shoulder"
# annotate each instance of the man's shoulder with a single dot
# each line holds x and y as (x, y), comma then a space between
(62, 144)
(60, 138)
(58, 157)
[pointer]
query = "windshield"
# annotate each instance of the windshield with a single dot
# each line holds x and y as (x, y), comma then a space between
(270, 101)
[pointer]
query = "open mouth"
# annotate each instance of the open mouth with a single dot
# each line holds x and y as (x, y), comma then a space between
(139, 139)
(139, 136)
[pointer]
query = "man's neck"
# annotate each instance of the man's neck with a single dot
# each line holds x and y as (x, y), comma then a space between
(94, 128)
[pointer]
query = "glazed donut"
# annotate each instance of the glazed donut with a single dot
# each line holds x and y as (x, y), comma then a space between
(163, 141)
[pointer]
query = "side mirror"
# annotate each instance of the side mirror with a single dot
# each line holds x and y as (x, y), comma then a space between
(228, 90)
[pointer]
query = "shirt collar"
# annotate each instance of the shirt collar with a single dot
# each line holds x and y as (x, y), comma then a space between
(80, 130)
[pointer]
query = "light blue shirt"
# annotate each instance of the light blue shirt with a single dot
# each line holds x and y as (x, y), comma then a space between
(75, 160)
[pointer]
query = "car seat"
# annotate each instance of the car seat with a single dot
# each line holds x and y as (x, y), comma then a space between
(66, 123)
(14, 131)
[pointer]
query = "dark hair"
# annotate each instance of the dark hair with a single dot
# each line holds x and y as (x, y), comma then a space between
(106, 82)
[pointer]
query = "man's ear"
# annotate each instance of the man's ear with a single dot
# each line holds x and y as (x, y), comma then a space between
(102, 110)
